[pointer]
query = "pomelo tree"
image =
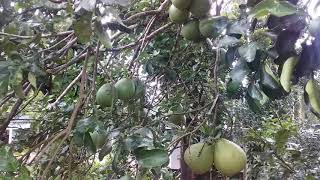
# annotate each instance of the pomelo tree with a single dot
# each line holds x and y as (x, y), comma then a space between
(111, 88)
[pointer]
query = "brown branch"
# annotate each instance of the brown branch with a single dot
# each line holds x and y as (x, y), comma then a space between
(150, 36)
(73, 116)
(132, 19)
(55, 45)
(197, 128)
(74, 60)
(31, 37)
(13, 111)
(73, 82)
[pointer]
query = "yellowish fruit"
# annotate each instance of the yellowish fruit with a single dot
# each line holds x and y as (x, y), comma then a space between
(213, 26)
(179, 118)
(199, 157)
(286, 73)
(229, 158)
(200, 8)
(125, 89)
(181, 4)
(178, 16)
(190, 31)
(313, 91)
(105, 95)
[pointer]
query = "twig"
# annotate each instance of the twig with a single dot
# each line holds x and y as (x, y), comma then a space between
(31, 37)
(150, 36)
(74, 60)
(13, 111)
(73, 82)
(131, 19)
(55, 45)
(196, 129)
(94, 85)
(73, 116)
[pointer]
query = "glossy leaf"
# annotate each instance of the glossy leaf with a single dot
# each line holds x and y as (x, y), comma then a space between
(248, 51)
(152, 158)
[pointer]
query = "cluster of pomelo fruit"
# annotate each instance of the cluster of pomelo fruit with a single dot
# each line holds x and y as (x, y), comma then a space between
(227, 157)
(200, 24)
(125, 89)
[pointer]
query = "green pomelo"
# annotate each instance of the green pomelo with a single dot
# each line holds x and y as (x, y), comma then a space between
(105, 95)
(229, 158)
(178, 118)
(313, 90)
(125, 89)
(190, 31)
(98, 139)
(200, 8)
(181, 4)
(213, 26)
(178, 16)
(199, 157)
(286, 73)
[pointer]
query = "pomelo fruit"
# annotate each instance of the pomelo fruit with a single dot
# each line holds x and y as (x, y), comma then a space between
(179, 118)
(125, 88)
(105, 95)
(312, 89)
(200, 8)
(213, 26)
(190, 31)
(199, 157)
(181, 4)
(229, 158)
(178, 16)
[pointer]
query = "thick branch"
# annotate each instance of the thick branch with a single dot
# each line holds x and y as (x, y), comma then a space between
(13, 111)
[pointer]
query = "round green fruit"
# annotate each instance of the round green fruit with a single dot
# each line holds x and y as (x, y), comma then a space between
(190, 31)
(179, 118)
(200, 8)
(199, 157)
(229, 158)
(125, 89)
(98, 139)
(181, 4)
(105, 95)
(178, 16)
(213, 26)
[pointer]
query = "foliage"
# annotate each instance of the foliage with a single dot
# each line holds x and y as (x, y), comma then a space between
(56, 54)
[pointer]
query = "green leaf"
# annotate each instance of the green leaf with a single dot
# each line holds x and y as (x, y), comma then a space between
(82, 28)
(274, 7)
(248, 51)
(262, 8)
(105, 150)
(237, 75)
(255, 98)
(8, 163)
(102, 34)
(152, 158)
(281, 138)
(88, 142)
(32, 79)
(228, 41)
(283, 8)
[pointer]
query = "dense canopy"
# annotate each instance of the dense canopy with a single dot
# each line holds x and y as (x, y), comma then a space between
(121, 89)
